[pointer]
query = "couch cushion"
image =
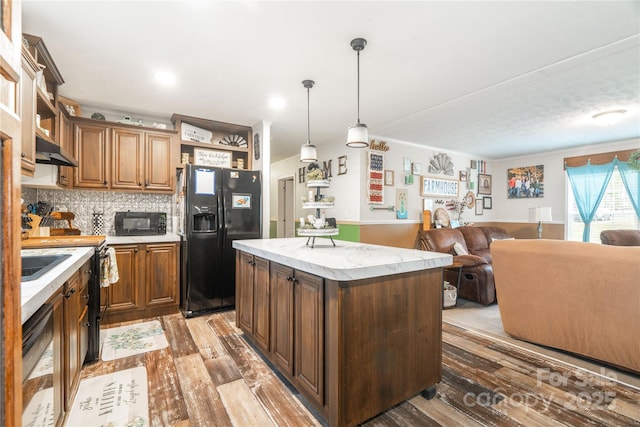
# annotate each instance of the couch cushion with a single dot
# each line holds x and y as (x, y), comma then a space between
(440, 240)
(494, 233)
(459, 249)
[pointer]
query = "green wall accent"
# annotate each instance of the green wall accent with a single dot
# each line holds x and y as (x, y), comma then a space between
(348, 232)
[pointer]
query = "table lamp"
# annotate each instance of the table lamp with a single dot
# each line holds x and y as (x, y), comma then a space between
(540, 215)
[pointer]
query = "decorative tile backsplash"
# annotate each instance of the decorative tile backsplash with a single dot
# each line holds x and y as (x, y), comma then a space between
(84, 203)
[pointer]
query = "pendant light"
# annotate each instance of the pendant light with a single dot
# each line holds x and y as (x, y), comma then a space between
(358, 136)
(308, 152)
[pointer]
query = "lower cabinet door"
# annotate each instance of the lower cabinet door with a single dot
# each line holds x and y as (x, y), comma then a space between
(261, 294)
(282, 317)
(309, 335)
(244, 291)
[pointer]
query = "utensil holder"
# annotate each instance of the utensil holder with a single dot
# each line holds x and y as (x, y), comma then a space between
(98, 224)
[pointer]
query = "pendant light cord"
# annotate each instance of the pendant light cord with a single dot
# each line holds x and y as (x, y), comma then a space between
(358, 87)
(308, 120)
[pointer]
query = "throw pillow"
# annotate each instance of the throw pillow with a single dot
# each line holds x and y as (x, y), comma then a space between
(459, 249)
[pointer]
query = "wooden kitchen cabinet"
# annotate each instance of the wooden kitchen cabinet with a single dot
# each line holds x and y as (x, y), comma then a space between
(28, 113)
(290, 305)
(254, 292)
(148, 284)
(123, 158)
(76, 328)
(91, 143)
(65, 138)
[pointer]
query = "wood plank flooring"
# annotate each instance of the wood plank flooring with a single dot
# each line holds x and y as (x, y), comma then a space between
(210, 376)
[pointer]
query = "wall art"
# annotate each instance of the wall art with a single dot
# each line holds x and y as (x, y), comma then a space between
(416, 169)
(525, 182)
(441, 163)
(484, 184)
(479, 207)
(436, 187)
(464, 177)
(486, 203)
(401, 203)
(388, 177)
(375, 189)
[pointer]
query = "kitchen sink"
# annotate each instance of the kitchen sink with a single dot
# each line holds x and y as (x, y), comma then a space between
(37, 265)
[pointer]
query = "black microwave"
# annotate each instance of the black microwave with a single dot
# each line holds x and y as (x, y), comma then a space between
(140, 223)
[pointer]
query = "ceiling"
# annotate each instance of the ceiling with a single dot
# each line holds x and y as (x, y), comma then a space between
(491, 79)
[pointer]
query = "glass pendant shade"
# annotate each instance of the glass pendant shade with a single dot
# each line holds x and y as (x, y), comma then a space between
(358, 136)
(308, 153)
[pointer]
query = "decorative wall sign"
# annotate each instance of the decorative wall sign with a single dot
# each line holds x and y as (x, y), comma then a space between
(486, 202)
(256, 146)
(479, 207)
(416, 169)
(375, 189)
(464, 177)
(388, 177)
(437, 187)
(484, 184)
(524, 182)
(342, 165)
(380, 146)
(441, 163)
(215, 158)
(401, 203)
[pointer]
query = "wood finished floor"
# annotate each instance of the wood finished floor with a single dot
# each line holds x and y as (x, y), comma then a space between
(210, 376)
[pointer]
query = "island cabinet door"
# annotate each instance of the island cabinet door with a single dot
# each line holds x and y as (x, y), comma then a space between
(309, 335)
(244, 291)
(261, 303)
(282, 318)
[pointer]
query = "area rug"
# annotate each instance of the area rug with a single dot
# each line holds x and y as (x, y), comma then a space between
(39, 411)
(133, 339)
(116, 399)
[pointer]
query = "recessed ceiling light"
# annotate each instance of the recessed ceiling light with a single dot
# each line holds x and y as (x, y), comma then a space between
(607, 118)
(165, 78)
(277, 102)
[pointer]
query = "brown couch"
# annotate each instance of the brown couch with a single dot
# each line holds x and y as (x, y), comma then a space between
(620, 237)
(579, 297)
(476, 280)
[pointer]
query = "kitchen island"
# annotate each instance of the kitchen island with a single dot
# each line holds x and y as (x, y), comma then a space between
(355, 328)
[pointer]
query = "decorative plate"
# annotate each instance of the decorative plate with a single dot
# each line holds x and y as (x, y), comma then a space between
(234, 141)
(443, 216)
(470, 199)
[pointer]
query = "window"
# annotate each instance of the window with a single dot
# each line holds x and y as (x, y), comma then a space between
(615, 212)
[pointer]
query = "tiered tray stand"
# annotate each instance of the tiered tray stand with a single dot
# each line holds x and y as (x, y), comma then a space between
(312, 233)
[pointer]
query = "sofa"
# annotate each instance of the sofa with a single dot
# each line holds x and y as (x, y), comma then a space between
(620, 237)
(582, 298)
(470, 248)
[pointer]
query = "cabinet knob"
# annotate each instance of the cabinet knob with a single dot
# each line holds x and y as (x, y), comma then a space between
(23, 155)
(70, 292)
(289, 279)
(87, 324)
(86, 297)
(139, 184)
(105, 182)
(135, 250)
(63, 176)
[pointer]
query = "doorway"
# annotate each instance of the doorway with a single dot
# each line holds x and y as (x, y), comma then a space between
(286, 223)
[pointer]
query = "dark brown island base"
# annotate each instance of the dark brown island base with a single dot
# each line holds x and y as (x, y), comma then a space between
(355, 328)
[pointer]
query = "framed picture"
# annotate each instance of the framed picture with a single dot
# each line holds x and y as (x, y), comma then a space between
(525, 182)
(464, 177)
(484, 184)
(416, 169)
(406, 165)
(486, 202)
(479, 207)
(388, 177)
(474, 164)
(438, 187)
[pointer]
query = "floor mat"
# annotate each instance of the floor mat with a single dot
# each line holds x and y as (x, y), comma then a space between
(117, 399)
(133, 339)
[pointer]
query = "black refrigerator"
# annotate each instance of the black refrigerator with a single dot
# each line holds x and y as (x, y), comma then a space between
(221, 205)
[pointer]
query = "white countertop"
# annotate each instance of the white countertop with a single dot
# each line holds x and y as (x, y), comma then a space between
(156, 238)
(36, 292)
(346, 261)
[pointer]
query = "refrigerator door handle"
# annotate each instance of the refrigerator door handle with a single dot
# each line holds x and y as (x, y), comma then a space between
(222, 221)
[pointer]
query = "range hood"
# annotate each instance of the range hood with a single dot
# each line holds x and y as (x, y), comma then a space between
(49, 153)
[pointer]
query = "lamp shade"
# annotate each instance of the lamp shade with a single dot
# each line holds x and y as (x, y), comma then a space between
(308, 153)
(540, 214)
(358, 136)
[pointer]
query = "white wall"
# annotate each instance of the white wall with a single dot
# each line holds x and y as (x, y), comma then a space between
(555, 179)
(263, 128)
(345, 188)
